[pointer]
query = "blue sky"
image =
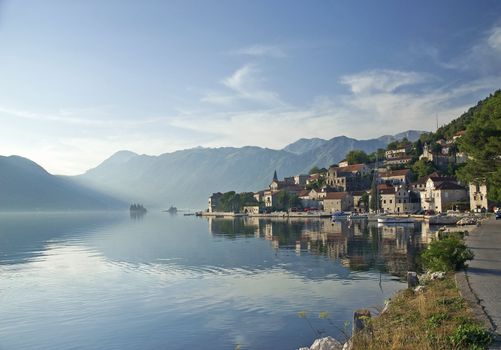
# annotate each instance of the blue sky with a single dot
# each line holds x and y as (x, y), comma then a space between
(80, 80)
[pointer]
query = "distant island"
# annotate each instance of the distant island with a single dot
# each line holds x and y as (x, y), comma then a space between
(137, 208)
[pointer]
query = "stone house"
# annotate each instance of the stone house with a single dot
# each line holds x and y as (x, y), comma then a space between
(442, 194)
(337, 201)
(398, 161)
(300, 179)
(399, 199)
(348, 178)
(478, 197)
(357, 201)
(343, 163)
(395, 177)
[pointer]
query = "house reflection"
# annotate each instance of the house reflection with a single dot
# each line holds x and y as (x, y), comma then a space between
(358, 245)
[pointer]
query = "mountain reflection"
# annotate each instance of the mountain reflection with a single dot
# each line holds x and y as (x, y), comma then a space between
(358, 245)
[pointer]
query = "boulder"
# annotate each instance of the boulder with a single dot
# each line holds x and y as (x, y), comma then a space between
(327, 343)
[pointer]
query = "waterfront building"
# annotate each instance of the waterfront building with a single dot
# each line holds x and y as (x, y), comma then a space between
(337, 201)
(478, 197)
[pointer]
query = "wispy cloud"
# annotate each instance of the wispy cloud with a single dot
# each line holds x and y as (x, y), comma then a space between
(260, 50)
(378, 102)
(246, 83)
(382, 80)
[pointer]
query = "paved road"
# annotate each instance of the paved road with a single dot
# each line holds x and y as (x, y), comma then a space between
(484, 271)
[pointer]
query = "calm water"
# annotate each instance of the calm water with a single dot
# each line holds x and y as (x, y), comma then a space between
(109, 281)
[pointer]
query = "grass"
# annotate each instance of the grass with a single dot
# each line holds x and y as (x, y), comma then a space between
(436, 318)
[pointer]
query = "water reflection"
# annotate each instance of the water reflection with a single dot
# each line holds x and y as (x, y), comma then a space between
(137, 214)
(358, 245)
(25, 236)
(173, 282)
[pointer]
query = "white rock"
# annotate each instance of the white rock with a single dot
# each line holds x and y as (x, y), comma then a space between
(348, 345)
(327, 343)
(419, 289)
(437, 276)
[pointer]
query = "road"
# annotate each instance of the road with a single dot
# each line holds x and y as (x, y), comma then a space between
(484, 271)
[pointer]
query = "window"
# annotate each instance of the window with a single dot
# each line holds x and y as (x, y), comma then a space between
(391, 201)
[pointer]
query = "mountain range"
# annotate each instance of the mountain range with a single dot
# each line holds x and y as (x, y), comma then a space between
(183, 178)
(26, 186)
(186, 178)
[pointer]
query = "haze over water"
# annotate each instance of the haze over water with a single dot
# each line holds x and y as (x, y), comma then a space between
(109, 281)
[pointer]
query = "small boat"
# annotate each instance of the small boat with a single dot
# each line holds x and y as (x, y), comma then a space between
(394, 220)
(339, 215)
(172, 210)
(355, 216)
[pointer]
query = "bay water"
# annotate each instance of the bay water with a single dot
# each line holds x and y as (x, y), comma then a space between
(162, 281)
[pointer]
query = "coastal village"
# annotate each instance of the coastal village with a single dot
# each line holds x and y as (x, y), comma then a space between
(408, 178)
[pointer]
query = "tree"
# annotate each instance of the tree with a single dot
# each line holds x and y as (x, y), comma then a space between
(285, 201)
(365, 201)
(314, 170)
(356, 157)
(379, 155)
(423, 167)
(482, 143)
(373, 205)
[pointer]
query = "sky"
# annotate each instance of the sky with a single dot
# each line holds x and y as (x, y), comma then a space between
(83, 79)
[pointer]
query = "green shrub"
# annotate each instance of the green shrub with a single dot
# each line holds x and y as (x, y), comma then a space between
(470, 336)
(448, 254)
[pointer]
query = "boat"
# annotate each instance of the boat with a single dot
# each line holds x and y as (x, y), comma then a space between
(172, 210)
(355, 216)
(394, 220)
(339, 215)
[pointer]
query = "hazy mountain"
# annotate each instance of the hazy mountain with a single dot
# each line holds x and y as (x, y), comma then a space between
(336, 149)
(304, 145)
(24, 185)
(186, 178)
(345, 144)
(411, 135)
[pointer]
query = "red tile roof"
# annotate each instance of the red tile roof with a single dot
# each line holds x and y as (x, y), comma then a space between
(447, 185)
(335, 195)
(352, 168)
(391, 173)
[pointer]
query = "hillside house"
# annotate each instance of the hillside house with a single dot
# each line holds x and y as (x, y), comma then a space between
(348, 178)
(300, 179)
(397, 153)
(398, 161)
(395, 177)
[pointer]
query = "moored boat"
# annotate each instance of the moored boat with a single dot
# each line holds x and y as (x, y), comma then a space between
(394, 220)
(339, 215)
(355, 216)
